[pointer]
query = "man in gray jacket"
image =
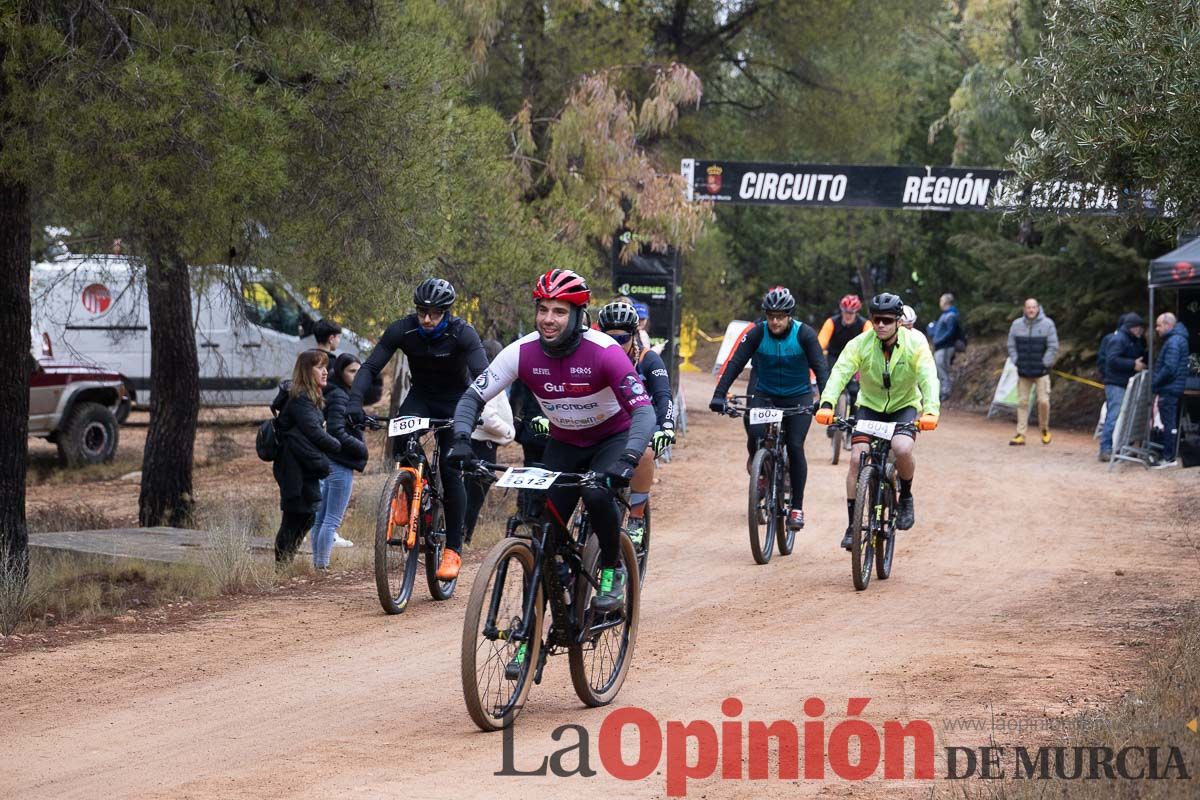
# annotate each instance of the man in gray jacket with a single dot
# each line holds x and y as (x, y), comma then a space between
(1033, 346)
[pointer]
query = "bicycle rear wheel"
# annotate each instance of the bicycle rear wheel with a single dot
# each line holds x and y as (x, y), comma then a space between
(862, 544)
(643, 549)
(785, 537)
(762, 537)
(435, 545)
(601, 661)
(496, 676)
(885, 545)
(395, 554)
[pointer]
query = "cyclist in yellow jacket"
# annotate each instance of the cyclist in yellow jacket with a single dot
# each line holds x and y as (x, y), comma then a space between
(897, 383)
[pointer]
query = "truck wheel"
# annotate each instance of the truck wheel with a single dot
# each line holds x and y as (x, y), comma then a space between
(88, 437)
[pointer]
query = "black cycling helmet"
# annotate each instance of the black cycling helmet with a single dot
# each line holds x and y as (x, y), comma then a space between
(887, 303)
(778, 299)
(434, 293)
(619, 317)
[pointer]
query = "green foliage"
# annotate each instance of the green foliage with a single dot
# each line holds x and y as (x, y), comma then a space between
(1116, 91)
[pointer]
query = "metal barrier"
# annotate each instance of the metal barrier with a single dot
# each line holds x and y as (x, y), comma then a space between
(1131, 437)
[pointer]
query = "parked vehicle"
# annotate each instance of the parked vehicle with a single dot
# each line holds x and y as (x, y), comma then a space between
(77, 407)
(250, 325)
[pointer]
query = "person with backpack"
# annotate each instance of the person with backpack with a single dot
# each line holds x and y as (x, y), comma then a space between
(947, 337)
(1122, 353)
(337, 486)
(304, 447)
(783, 350)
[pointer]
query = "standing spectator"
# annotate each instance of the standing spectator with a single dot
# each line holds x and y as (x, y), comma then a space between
(338, 485)
(1122, 353)
(495, 429)
(328, 335)
(1170, 378)
(1033, 347)
(945, 333)
(303, 459)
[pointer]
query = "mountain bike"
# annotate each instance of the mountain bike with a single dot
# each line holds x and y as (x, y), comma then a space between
(410, 522)
(876, 498)
(770, 484)
(505, 642)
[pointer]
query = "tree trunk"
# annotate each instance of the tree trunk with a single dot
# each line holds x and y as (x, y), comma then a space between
(14, 382)
(15, 255)
(166, 496)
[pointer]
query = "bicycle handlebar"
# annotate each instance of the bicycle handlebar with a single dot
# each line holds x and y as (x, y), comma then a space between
(847, 424)
(379, 423)
(589, 478)
(739, 405)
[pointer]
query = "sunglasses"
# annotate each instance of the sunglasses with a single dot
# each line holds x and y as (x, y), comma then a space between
(621, 338)
(883, 320)
(431, 313)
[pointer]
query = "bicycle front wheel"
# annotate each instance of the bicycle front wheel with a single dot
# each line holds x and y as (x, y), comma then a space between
(862, 544)
(496, 672)
(760, 517)
(600, 662)
(785, 537)
(395, 543)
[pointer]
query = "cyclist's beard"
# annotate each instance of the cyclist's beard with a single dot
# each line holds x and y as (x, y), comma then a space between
(568, 340)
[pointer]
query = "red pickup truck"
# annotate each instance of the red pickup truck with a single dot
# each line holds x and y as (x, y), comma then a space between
(77, 407)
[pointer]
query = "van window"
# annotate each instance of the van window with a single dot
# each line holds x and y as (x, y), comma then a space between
(268, 305)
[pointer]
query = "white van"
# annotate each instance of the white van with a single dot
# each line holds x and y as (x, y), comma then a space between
(250, 325)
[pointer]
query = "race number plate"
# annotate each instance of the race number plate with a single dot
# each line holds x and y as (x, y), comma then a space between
(527, 478)
(403, 426)
(880, 430)
(764, 416)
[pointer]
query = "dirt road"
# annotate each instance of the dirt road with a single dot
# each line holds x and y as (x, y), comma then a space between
(1034, 584)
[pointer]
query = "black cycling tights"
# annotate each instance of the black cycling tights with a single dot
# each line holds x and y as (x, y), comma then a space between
(602, 508)
(795, 431)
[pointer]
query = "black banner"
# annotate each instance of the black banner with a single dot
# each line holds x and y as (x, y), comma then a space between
(653, 278)
(905, 187)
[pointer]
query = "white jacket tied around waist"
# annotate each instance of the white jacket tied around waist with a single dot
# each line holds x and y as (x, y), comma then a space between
(497, 425)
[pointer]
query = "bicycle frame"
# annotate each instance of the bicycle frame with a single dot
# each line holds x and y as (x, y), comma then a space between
(546, 544)
(425, 472)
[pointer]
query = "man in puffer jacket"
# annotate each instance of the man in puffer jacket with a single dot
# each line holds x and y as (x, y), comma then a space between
(1170, 379)
(1122, 354)
(1033, 346)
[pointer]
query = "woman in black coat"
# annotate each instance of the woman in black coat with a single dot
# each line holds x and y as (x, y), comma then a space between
(352, 457)
(303, 458)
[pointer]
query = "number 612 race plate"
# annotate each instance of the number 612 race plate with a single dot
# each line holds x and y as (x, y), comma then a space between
(527, 478)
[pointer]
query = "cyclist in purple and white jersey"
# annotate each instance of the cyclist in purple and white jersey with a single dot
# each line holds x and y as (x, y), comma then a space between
(601, 417)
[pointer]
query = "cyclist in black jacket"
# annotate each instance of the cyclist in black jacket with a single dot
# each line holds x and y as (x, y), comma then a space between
(444, 355)
(620, 321)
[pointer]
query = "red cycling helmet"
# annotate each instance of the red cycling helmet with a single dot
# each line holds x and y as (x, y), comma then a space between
(562, 284)
(850, 303)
